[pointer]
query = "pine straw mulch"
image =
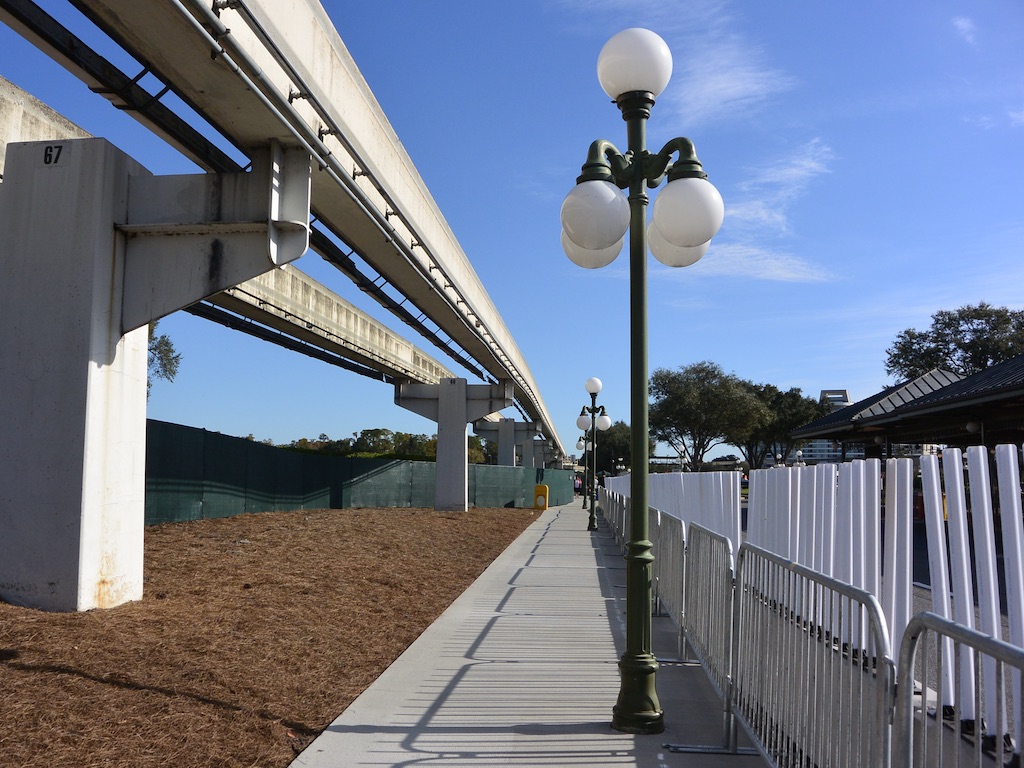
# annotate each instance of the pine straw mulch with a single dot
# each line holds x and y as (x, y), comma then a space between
(254, 633)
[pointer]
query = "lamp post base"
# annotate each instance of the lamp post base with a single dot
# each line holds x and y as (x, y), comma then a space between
(638, 709)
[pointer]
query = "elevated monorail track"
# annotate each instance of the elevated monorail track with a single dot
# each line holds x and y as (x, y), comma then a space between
(262, 70)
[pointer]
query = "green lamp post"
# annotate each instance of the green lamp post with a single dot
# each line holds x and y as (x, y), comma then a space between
(593, 418)
(633, 68)
(582, 445)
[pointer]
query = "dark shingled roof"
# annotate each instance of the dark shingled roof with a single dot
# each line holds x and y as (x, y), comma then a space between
(1001, 380)
(886, 401)
(939, 407)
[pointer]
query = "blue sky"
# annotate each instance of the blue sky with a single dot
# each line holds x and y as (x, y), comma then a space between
(870, 155)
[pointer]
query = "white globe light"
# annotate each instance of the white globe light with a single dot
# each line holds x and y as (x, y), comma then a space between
(604, 422)
(672, 255)
(583, 422)
(581, 257)
(593, 385)
(634, 60)
(595, 214)
(688, 212)
(580, 445)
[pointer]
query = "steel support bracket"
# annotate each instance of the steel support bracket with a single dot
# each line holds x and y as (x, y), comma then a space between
(188, 237)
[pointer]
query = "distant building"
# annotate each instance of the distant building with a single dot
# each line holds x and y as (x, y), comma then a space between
(820, 451)
(837, 398)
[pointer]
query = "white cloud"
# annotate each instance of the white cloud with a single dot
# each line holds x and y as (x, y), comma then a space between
(789, 176)
(722, 76)
(751, 261)
(965, 28)
(771, 190)
(981, 122)
(1012, 118)
(759, 213)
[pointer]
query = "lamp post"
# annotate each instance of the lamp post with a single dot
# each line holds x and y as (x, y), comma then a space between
(633, 68)
(593, 418)
(583, 445)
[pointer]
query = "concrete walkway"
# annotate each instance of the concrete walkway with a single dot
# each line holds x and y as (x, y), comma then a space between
(522, 670)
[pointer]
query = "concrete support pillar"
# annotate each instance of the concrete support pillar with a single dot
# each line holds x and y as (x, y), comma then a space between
(73, 410)
(510, 435)
(506, 442)
(73, 350)
(526, 454)
(525, 434)
(543, 453)
(453, 403)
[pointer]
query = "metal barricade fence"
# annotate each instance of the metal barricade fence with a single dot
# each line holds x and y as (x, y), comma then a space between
(614, 507)
(668, 545)
(707, 624)
(707, 616)
(668, 540)
(929, 730)
(809, 689)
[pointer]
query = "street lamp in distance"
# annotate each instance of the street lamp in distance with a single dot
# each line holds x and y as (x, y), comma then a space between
(593, 418)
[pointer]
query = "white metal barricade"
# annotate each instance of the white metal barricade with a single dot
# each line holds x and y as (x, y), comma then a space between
(810, 671)
(805, 694)
(923, 737)
(708, 625)
(668, 545)
(614, 508)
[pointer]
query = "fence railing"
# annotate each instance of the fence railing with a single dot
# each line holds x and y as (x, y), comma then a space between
(931, 728)
(668, 545)
(707, 624)
(812, 668)
(820, 532)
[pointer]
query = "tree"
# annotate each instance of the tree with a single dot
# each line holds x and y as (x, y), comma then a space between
(415, 446)
(163, 360)
(784, 412)
(374, 442)
(696, 407)
(614, 444)
(489, 448)
(475, 450)
(754, 441)
(966, 340)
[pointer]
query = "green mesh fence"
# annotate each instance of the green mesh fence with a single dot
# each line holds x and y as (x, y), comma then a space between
(193, 474)
(175, 492)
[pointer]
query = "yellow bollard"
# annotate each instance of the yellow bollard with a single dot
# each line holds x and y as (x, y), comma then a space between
(540, 497)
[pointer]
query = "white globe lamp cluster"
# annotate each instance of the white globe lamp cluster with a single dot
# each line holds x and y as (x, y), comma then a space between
(596, 215)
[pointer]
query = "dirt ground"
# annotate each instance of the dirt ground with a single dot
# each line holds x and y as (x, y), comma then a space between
(254, 633)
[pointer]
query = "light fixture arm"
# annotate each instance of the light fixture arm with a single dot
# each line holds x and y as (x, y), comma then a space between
(687, 166)
(606, 163)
